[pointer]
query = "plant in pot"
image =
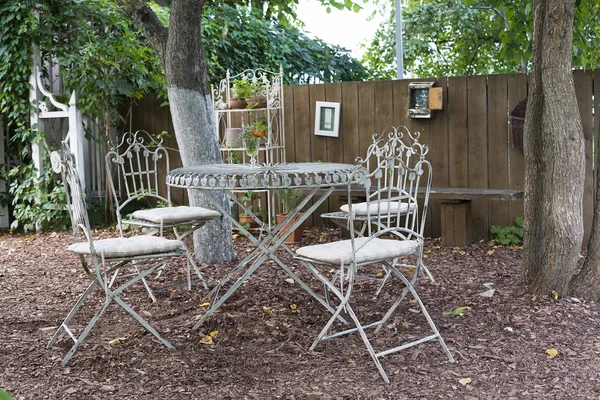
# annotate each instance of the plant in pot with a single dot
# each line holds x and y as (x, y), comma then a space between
(252, 135)
(290, 199)
(247, 199)
(258, 98)
(240, 90)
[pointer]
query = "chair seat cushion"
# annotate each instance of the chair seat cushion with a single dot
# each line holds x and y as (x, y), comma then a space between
(129, 246)
(174, 215)
(374, 250)
(384, 207)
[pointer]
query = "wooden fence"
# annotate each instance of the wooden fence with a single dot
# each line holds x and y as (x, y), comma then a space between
(469, 140)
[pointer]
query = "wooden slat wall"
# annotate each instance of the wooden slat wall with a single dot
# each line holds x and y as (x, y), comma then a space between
(470, 142)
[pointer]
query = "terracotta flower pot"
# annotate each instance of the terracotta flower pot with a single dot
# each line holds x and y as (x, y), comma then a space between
(237, 104)
(249, 220)
(291, 237)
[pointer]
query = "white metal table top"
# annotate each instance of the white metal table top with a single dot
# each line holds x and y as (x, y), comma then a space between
(266, 176)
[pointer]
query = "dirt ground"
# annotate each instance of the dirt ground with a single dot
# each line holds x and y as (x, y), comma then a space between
(502, 344)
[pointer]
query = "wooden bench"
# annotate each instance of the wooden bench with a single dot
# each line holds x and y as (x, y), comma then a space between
(456, 209)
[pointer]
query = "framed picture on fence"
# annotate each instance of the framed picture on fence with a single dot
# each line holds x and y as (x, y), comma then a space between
(327, 119)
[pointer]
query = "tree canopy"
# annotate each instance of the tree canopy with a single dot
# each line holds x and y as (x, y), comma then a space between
(452, 38)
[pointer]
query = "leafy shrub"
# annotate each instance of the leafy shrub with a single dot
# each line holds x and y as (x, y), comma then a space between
(507, 235)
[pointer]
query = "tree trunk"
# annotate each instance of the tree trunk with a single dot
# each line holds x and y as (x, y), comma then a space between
(182, 55)
(587, 283)
(554, 155)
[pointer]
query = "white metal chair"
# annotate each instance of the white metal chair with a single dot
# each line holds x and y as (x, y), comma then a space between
(393, 238)
(393, 141)
(136, 159)
(142, 254)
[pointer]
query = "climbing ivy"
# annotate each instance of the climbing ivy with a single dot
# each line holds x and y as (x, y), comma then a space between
(99, 55)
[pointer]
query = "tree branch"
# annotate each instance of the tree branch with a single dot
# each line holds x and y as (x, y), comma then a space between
(154, 30)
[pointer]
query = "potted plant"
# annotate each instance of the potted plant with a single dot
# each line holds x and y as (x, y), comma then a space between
(258, 97)
(290, 199)
(247, 199)
(252, 135)
(240, 90)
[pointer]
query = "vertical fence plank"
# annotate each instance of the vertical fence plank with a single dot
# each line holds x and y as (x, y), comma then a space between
(401, 99)
(457, 133)
(366, 120)
(438, 156)
(349, 123)
(517, 91)
(318, 144)
(288, 122)
(583, 84)
(335, 146)
(477, 133)
(384, 106)
(498, 146)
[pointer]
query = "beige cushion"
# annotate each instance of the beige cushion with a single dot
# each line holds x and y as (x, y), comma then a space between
(127, 247)
(174, 215)
(372, 207)
(375, 250)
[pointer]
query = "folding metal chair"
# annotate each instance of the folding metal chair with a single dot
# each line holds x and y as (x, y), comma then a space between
(136, 159)
(394, 239)
(142, 254)
(393, 141)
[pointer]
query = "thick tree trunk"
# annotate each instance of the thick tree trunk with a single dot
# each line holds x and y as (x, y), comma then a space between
(587, 283)
(554, 155)
(182, 54)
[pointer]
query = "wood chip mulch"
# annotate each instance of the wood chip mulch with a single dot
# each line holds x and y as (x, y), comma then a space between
(503, 344)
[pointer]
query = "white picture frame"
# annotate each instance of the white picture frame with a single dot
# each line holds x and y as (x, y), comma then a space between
(327, 119)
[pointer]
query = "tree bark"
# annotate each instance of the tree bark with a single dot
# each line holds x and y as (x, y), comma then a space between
(184, 60)
(554, 155)
(587, 283)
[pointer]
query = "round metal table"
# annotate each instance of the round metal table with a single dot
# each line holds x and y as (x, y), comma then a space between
(318, 179)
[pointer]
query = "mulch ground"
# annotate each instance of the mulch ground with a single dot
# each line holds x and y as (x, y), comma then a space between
(500, 343)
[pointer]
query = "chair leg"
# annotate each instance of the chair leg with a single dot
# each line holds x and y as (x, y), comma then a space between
(190, 258)
(64, 325)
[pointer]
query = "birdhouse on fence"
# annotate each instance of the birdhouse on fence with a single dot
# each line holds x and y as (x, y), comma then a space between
(424, 98)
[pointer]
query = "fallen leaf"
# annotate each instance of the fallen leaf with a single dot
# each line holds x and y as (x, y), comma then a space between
(457, 311)
(379, 274)
(117, 341)
(293, 306)
(464, 381)
(213, 333)
(462, 253)
(207, 340)
(290, 281)
(490, 252)
(552, 352)
(205, 304)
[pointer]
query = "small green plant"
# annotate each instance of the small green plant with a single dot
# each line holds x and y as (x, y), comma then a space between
(458, 311)
(247, 200)
(241, 89)
(290, 199)
(507, 235)
(233, 157)
(4, 395)
(257, 129)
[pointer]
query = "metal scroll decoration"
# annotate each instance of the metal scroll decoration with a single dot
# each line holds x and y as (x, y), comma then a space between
(277, 176)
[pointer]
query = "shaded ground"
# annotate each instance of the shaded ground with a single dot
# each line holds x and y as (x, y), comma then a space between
(261, 349)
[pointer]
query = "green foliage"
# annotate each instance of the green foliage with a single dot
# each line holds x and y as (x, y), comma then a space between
(454, 38)
(37, 201)
(256, 129)
(4, 395)
(241, 89)
(290, 199)
(98, 54)
(237, 37)
(458, 311)
(507, 235)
